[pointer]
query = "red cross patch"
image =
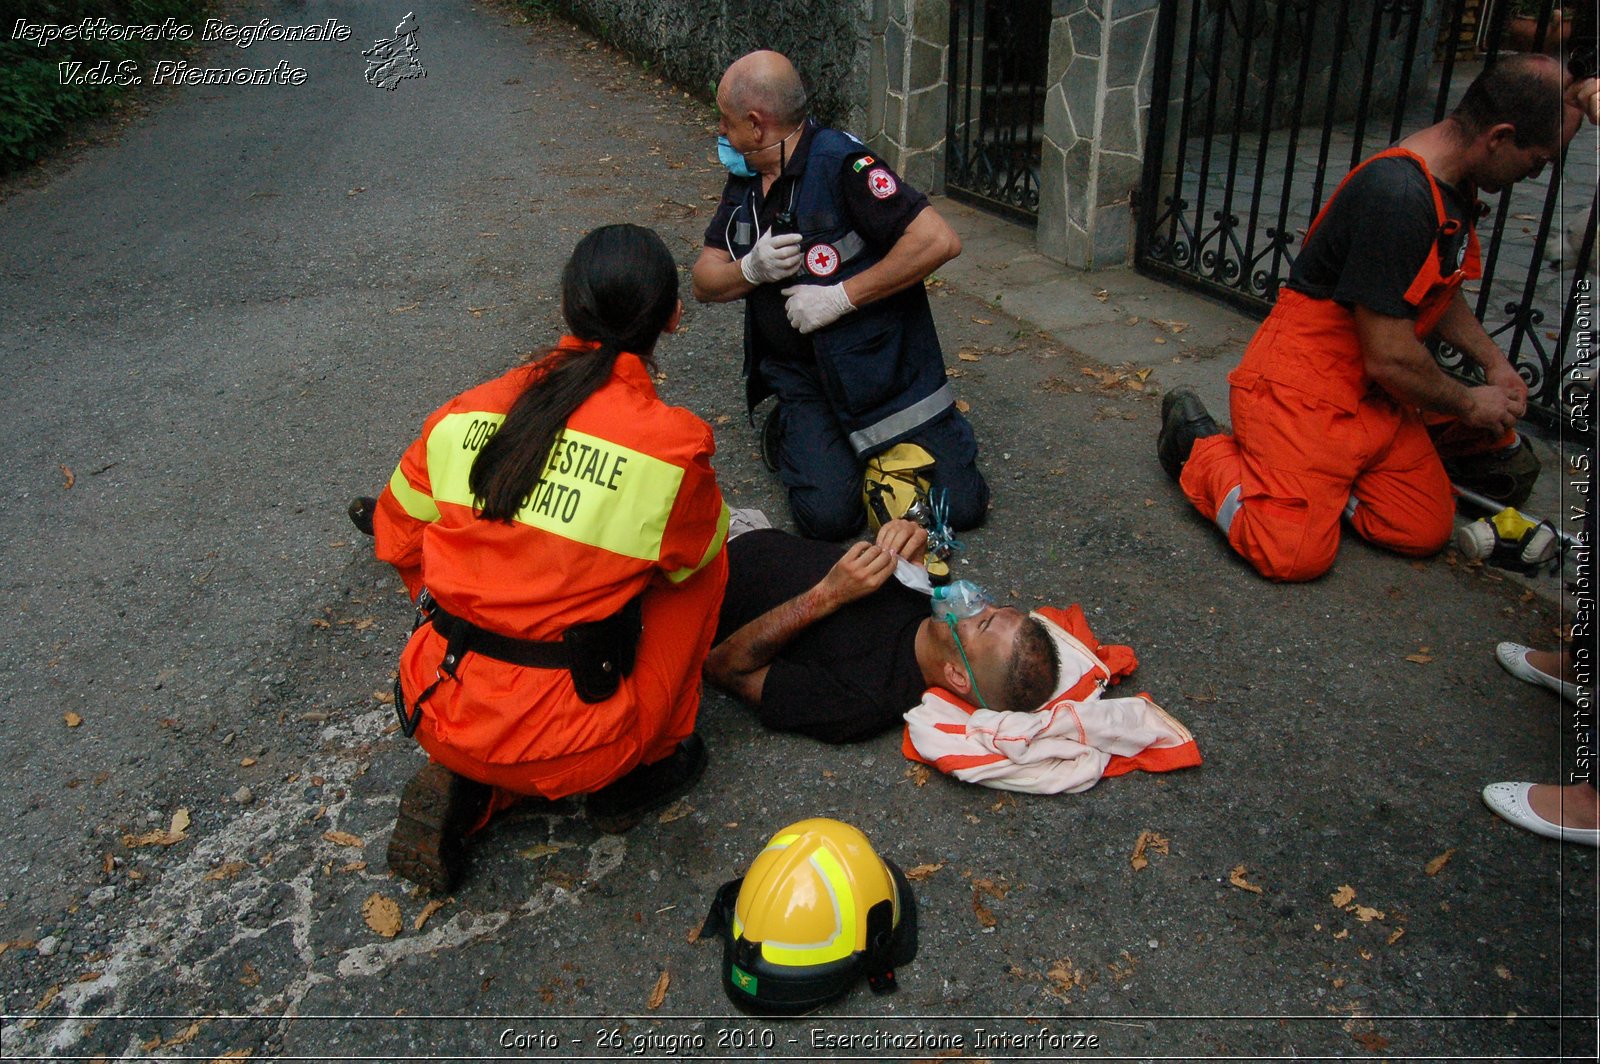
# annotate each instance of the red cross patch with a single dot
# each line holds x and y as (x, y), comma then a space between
(822, 260)
(880, 183)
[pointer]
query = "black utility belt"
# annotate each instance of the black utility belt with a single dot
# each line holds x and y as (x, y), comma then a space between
(598, 654)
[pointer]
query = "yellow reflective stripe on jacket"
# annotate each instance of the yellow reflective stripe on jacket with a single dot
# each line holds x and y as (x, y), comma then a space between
(677, 576)
(593, 491)
(416, 503)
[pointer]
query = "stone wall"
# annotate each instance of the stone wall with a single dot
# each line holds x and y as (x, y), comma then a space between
(1097, 108)
(692, 42)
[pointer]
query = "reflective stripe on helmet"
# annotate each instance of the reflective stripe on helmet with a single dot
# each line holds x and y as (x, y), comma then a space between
(841, 940)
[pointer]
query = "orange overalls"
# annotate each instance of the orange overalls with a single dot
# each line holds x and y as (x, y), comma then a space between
(1314, 439)
(628, 505)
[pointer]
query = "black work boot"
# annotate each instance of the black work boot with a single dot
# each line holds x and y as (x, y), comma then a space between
(771, 436)
(619, 806)
(361, 510)
(1184, 419)
(437, 809)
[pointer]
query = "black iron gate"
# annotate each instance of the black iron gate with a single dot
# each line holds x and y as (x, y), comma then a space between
(1272, 102)
(999, 56)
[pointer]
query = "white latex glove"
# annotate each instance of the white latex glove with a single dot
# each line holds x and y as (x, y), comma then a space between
(774, 257)
(811, 306)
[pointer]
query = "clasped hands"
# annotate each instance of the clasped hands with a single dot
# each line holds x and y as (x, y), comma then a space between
(866, 567)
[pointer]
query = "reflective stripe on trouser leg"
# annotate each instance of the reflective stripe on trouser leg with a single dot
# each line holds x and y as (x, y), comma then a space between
(1229, 507)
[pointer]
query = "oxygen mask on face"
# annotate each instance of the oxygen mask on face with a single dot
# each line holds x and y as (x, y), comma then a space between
(958, 600)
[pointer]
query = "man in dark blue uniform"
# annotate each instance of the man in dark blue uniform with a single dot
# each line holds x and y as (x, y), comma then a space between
(829, 248)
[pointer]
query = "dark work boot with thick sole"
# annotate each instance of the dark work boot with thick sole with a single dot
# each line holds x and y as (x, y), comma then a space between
(361, 510)
(437, 809)
(1184, 419)
(621, 805)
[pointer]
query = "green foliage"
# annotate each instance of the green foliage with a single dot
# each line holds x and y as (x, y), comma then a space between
(35, 108)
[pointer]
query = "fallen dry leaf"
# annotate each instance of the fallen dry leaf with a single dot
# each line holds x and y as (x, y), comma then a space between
(659, 993)
(1101, 294)
(427, 911)
(1121, 972)
(72, 719)
(982, 321)
(923, 871)
(918, 774)
(544, 849)
(676, 811)
(1434, 866)
(49, 996)
(992, 888)
(68, 478)
(1372, 1042)
(343, 838)
(1502, 971)
(226, 871)
(1342, 896)
(246, 762)
(1173, 327)
(963, 406)
(1420, 659)
(353, 866)
(383, 698)
(970, 356)
(1236, 877)
(172, 836)
(985, 917)
(1067, 977)
(1148, 840)
(1395, 936)
(250, 976)
(1345, 933)
(382, 915)
(1364, 914)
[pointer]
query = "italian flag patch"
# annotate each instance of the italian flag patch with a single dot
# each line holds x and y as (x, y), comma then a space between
(862, 163)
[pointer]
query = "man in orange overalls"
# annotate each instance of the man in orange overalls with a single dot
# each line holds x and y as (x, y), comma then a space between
(1334, 400)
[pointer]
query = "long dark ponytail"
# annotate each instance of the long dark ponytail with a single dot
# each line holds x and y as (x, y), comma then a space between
(619, 289)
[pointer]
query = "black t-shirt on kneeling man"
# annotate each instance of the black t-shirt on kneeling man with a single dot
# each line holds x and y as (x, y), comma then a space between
(850, 676)
(1378, 232)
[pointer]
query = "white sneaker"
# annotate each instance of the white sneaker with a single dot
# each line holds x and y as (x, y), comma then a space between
(1513, 657)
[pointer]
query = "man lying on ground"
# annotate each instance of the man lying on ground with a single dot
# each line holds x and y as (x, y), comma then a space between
(840, 643)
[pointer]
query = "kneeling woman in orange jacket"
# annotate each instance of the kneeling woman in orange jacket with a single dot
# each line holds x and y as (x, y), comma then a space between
(562, 531)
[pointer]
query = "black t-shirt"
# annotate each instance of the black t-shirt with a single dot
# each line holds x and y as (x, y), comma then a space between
(1377, 233)
(850, 676)
(878, 204)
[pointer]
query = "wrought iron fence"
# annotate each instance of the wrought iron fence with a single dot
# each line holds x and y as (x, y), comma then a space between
(1269, 103)
(999, 56)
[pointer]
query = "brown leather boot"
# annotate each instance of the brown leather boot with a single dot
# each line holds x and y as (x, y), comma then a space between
(437, 809)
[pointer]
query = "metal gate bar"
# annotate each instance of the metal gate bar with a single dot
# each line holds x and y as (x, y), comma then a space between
(994, 146)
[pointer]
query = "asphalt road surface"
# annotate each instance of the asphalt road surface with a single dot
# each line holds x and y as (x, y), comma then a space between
(222, 323)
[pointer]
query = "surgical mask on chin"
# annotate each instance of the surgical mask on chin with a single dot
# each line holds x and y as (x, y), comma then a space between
(730, 157)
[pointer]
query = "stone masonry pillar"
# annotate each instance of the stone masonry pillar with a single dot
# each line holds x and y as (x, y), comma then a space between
(1096, 109)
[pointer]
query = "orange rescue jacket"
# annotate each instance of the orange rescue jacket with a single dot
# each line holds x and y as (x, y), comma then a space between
(628, 504)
